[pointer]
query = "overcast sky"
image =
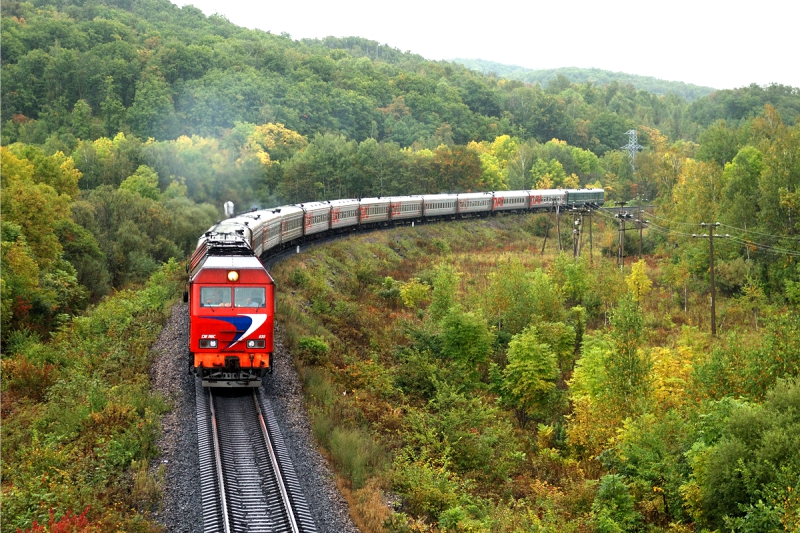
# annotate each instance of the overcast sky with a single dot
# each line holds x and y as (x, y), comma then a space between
(720, 44)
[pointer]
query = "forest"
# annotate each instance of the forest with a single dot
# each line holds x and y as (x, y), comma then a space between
(599, 392)
(597, 76)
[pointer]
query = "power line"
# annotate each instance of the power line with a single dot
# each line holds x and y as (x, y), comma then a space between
(767, 248)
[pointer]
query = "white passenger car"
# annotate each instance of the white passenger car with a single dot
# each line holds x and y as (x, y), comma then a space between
(317, 217)
(547, 199)
(344, 213)
(473, 203)
(291, 222)
(374, 211)
(511, 201)
(266, 231)
(440, 205)
(405, 207)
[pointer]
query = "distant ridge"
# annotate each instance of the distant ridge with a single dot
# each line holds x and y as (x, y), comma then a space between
(598, 76)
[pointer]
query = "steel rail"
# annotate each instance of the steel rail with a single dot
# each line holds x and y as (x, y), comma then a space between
(276, 467)
(218, 461)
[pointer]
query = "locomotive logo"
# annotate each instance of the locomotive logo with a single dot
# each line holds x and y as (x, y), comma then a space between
(245, 325)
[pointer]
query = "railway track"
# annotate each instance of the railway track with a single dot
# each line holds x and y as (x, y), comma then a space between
(247, 479)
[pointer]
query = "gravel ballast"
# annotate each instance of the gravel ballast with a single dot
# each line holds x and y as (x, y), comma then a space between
(181, 509)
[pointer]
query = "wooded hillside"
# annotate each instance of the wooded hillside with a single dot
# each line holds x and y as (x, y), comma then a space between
(125, 126)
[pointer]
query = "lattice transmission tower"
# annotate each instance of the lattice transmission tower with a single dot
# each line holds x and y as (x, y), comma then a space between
(632, 147)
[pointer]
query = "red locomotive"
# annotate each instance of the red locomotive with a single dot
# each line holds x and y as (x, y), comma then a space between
(231, 308)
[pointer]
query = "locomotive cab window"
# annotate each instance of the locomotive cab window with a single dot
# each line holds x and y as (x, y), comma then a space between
(215, 297)
(249, 296)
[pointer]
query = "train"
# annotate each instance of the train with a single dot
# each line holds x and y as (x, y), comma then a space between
(231, 294)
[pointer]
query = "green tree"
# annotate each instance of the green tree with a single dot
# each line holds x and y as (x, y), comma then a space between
(745, 480)
(512, 300)
(627, 367)
(466, 342)
(143, 182)
(443, 297)
(529, 378)
(82, 120)
(152, 113)
(740, 186)
(112, 109)
(719, 143)
(613, 508)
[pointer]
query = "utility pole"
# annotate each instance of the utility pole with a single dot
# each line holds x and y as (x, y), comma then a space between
(591, 250)
(577, 231)
(546, 233)
(710, 238)
(622, 216)
(640, 222)
(576, 235)
(558, 227)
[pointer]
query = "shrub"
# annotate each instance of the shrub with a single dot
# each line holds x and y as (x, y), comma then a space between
(613, 510)
(414, 293)
(313, 350)
(390, 291)
(299, 278)
(427, 486)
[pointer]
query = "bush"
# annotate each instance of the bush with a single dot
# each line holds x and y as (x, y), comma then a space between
(428, 488)
(313, 350)
(613, 508)
(757, 456)
(414, 293)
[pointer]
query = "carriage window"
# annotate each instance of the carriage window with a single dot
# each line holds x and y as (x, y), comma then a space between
(250, 296)
(215, 297)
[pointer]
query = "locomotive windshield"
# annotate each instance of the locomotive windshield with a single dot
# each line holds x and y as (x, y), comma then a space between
(215, 297)
(250, 296)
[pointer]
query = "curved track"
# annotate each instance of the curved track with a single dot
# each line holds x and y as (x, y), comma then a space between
(247, 480)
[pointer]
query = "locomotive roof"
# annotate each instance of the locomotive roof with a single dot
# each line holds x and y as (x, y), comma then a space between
(232, 262)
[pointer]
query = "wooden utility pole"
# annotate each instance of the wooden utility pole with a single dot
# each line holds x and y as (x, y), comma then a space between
(577, 231)
(711, 238)
(591, 250)
(546, 233)
(576, 235)
(558, 227)
(622, 216)
(641, 222)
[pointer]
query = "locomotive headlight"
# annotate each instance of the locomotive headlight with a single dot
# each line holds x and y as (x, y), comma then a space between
(233, 276)
(208, 343)
(212, 343)
(255, 343)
